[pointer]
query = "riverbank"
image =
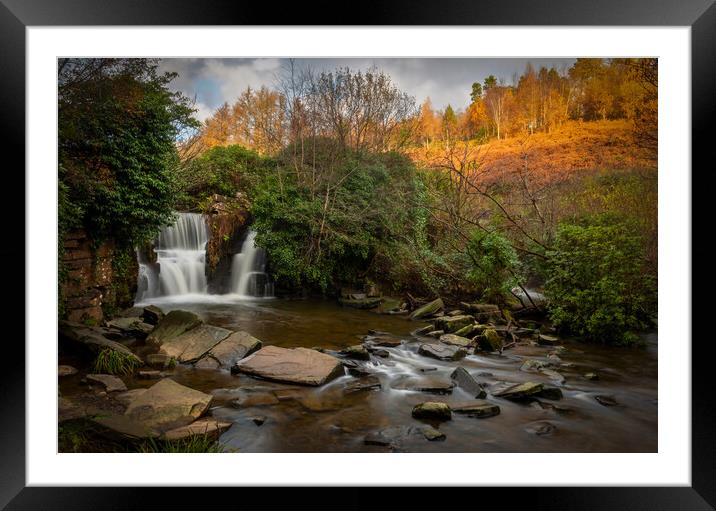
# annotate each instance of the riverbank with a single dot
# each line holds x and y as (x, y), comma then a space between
(607, 404)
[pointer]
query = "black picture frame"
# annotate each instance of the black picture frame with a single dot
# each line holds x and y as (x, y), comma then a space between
(16, 15)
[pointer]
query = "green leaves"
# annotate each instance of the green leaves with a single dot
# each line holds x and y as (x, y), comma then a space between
(597, 285)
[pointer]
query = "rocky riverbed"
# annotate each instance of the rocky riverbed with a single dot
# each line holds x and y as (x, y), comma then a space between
(311, 376)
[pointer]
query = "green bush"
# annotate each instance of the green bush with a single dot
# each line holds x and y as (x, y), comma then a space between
(597, 285)
(494, 264)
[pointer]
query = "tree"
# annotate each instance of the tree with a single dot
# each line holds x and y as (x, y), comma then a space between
(476, 92)
(118, 124)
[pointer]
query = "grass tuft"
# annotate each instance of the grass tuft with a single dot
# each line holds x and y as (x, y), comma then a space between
(195, 443)
(109, 361)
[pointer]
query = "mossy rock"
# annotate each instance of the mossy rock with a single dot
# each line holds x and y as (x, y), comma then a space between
(428, 309)
(490, 340)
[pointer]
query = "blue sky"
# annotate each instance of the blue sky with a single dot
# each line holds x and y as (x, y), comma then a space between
(445, 80)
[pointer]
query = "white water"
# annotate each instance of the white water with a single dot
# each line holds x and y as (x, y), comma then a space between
(181, 260)
(248, 270)
(180, 270)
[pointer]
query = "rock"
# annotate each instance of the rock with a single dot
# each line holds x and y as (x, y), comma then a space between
(66, 370)
(258, 419)
(152, 314)
(428, 309)
(288, 394)
(67, 409)
(128, 427)
(356, 352)
(206, 426)
(193, 344)
(455, 312)
(432, 434)
(467, 383)
(453, 323)
(427, 369)
(442, 351)
(432, 410)
(159, 360)
(541, 428)
(150, 375)
(299, 365)
(126, 397)
(547, 340)
(109, 382)
(131, 326)
(383, 340)
(230, 350)
(423, 331)
(606, 400)
(173, 325)
(361, 303)
(429, 385)
(552, 393)
(490, 340)
(479, 409)
(167, 404)
(591, 376)
(92, 338)
(366, 383)
(359, 371)
(480, 307)
(553, 375)
(485, 374)
(554, 357)
(435, 333)
(533, 366)
(466, 330)
(380, 353)
(248, 399)
(456, 340)
(392, 436)
(520, 391)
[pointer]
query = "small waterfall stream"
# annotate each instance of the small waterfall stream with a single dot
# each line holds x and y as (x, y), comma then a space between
(248, 270)
(180, 268)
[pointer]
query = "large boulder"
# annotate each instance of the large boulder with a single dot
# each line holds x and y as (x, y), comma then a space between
(167, 405)
(467, 383)
(442, 351)
(428, 309)
(229, 351)
(152, 314)
(131, 326)
(453, 323)
(299, 365)
(195, 343)
(173, 325)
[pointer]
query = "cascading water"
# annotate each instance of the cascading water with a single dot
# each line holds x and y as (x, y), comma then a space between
(248, 270)
(181, 260)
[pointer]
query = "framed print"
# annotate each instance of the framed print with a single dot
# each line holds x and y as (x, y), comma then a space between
(347, 255)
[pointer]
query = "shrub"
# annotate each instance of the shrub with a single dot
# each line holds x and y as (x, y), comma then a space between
(494, 264)
(597, 286)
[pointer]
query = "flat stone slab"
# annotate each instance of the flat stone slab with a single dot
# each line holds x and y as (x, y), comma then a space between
(195, 343)
(109, 382)
(366, 383)
(547, 340)
(442, 351)
(456, 340)
(172, 325)
(233, 348)
(480, 409)
(429, 385)
(432, 410)
(206, 426)
(167, 405)
(248, 399)
(299, 365)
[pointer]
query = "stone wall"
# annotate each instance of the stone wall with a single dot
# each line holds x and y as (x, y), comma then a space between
(227, 218)
(95, 284)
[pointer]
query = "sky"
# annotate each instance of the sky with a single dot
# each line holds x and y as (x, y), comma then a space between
(444, 80)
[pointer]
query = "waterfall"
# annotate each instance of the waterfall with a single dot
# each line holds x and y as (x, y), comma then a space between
(248, 270)
(181, 260)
